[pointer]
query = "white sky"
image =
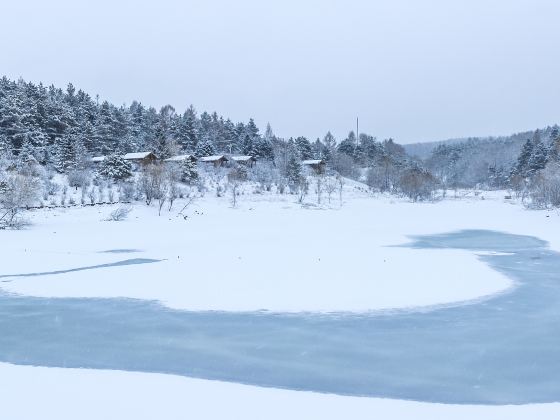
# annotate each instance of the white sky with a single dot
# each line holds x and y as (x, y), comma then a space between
(411, 69)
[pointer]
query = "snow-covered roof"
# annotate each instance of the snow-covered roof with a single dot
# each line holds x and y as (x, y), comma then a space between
(179, 158)
(98, 158)
(137, 155)
(242, 158)
(212, 158)
(313, 162)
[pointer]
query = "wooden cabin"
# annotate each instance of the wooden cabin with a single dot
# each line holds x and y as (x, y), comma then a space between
(248, 161)
(180, 159)
(216, 160)
(140, 158)
(318, 166)
(98, 159)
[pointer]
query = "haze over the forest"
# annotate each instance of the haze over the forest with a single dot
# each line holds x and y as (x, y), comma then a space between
(411, 70)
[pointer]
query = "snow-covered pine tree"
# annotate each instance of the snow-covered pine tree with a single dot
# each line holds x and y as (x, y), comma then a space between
(115, 167)
(330, 146)
(161, 146)
(105, 139)
(248, 146)
(189, 130)
(303, 147)
(189, 171)
(205, 147)
(294, 172)
(554, 147)
(538, 159)
(521, 168)
(64, 157)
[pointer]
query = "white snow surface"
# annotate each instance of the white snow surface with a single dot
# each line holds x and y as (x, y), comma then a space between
(32, 393)
(273, 255)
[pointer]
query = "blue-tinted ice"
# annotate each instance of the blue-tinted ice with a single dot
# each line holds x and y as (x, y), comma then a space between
(501, 350)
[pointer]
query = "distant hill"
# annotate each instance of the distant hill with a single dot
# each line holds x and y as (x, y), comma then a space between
(512, 143)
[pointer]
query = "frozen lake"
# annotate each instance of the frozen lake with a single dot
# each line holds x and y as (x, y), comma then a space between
(500, 350)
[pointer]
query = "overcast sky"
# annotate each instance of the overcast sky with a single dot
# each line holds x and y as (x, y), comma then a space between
(410, 69)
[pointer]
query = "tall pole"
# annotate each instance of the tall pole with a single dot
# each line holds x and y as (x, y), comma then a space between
(357, 131)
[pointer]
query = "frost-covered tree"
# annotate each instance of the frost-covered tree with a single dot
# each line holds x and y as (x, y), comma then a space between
(205, 147)
(294, 172)
(303, 146)
(115, 167)
(189, 171)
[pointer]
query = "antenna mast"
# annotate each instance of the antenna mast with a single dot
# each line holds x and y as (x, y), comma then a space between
(357, 131)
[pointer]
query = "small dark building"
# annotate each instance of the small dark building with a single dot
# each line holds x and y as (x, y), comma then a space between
(216, 160)
(318, 166)
(140, 158)
(248, 161)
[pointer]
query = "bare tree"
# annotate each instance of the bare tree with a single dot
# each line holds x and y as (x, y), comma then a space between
(330, 186)
(236, 176)
(17, 192)
(173, 176)
(417, 184)
(119, 214)
(341, 182)
(190, 200)
(154, 185)
(319, 187)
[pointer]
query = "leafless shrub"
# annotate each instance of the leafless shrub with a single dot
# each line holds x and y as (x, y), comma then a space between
(17, 192)
(127, 191)
(417, 184)
(236, 176)
(330, 186)
(545, 188)
(119, 214)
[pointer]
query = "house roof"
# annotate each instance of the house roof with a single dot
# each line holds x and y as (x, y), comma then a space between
(243, 158)
(313, 162)
(213, 158)
(98, 158)
(179, 158)
(137, 155)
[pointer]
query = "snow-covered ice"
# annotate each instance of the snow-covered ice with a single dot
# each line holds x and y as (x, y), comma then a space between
(265, 255)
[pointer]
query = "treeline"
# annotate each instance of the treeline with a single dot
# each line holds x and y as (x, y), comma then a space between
(63, 128)
(529, 166)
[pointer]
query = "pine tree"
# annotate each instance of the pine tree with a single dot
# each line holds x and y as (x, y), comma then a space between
(330, 146)
(189, 171)
(538, 159)
(27, 151)
(115, 167)
(348, 147)
(303, 147)
(554, 148)
(205, 148)
(65, 152)
(293, 172)
(161, 145)
(105, 139)
(248, 146)
(190, 129)
(522, 166)
(252, 129)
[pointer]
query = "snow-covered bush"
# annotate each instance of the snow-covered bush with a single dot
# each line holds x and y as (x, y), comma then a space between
(16, 193)
(417, 184)
(78, 178)
(127, 191)
(119, 214)
(545, 188)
